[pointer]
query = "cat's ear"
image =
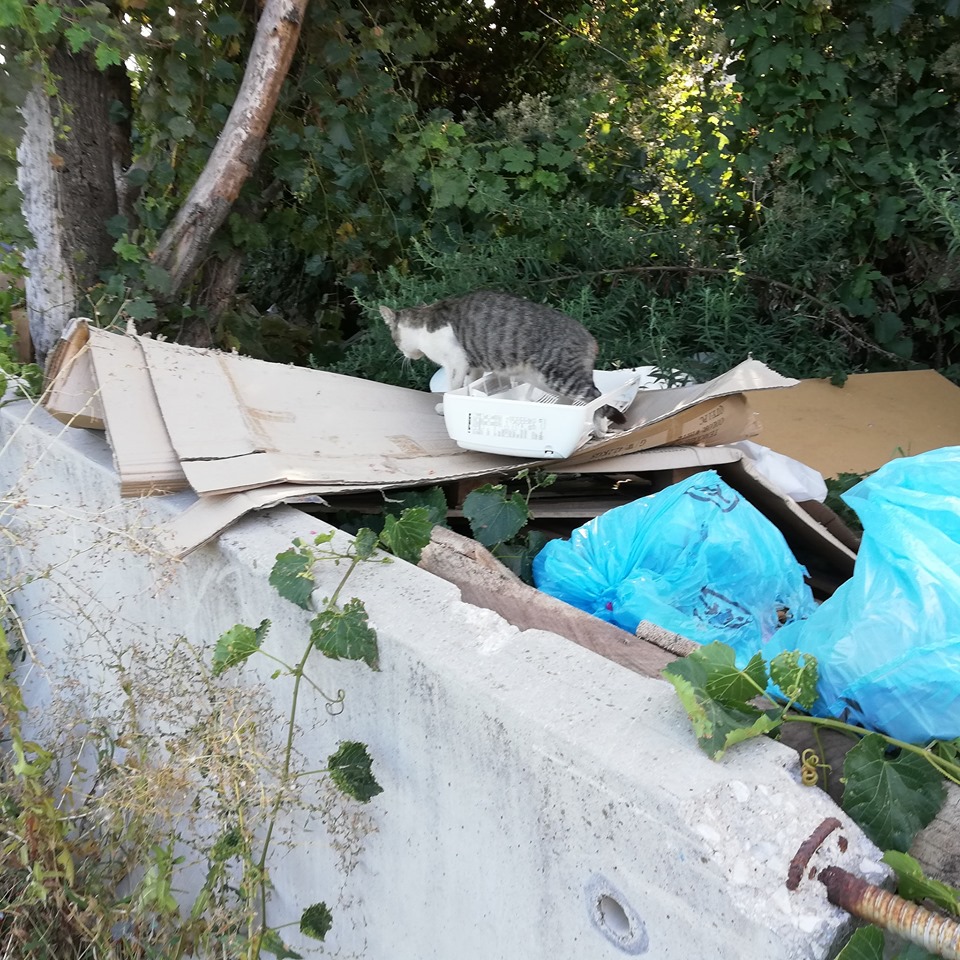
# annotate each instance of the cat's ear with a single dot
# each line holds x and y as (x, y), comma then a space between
(389, 316)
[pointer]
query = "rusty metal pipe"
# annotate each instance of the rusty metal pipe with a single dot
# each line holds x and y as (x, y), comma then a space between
(935, 933)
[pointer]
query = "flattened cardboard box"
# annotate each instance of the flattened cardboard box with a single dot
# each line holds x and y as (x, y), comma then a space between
(856, 428)
(70, 390)
(245, 433)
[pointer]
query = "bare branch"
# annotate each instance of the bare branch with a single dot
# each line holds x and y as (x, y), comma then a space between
(184, 243)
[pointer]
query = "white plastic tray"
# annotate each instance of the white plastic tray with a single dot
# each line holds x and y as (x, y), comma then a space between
(498, 414)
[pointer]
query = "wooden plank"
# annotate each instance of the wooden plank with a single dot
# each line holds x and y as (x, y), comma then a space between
(484, 581)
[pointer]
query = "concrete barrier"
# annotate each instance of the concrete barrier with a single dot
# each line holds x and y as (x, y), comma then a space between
(540, 802)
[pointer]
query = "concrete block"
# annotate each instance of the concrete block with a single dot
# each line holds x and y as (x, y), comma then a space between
(539, 800)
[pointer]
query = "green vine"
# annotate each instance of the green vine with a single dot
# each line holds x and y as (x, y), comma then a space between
(891, 788)
(497, 519)
(339, 631)
(70, 843)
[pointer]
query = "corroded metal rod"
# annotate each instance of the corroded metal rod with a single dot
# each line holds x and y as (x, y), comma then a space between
(932, 931)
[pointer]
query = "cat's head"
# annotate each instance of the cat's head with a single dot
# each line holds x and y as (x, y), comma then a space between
(404, 336)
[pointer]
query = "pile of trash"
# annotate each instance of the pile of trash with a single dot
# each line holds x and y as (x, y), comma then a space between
(698, 560)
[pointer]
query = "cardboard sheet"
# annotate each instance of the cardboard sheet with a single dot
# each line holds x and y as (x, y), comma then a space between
(237, 423)
(70, 391)
(856, 428)
(142, 452)
(206, 519)
(266, 423)
(246, 434)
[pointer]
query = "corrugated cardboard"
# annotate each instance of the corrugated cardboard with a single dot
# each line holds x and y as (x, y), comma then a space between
(237, 423)
(245, 433)
(70, 391)
(142, 452)
(856, 428)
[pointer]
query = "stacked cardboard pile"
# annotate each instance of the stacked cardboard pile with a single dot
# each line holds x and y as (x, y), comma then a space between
(245, 434)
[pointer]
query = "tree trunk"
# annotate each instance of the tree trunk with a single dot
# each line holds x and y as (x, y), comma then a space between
(220, 280)
(185, 241)
(67, 178)
(69, 186)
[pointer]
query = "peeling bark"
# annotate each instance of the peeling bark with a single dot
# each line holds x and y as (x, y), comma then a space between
(69, 193)
(51, 286)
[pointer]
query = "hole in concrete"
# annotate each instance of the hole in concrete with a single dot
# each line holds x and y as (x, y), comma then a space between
(612, 915)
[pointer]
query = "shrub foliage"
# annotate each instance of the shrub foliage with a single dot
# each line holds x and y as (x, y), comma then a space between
(696, 182)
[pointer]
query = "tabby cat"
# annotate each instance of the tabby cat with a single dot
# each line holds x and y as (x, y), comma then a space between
(494, 332)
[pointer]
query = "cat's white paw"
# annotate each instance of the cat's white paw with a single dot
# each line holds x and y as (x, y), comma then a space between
(439, 409)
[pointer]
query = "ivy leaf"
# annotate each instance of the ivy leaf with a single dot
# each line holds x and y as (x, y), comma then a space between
(46, 16)
(889, 14)
(225, 25)
(913, 885)
(432, 499)
(887, 327)
(136, 177)
(180, 127)
(407, 535)
(11, 13)
(865, 944)
(797, 682)
(351, 770)
(140, 309)
(715, 694)
(553, 155)
(548, 179)
(365, 542)
(237, 644)
(517, 159)
(117, 226)
(728, 684)
(948, 750)
(271, 942)
(891, 796)
(316, 921)
(493, 518)
(518, 555)
(451, 188)
(106, 56)
(156, 278)
(292, 577)
(77, 37)
(345, 633)
(127, 250)
(433, 136)
(337, 132)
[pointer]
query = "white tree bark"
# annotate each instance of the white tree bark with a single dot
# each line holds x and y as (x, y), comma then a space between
(185, 241)
(61, 264)
(66, 177)
(51, 286)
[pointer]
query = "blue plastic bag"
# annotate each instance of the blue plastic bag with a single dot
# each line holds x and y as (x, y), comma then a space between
(888, 641)
(695, 558)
